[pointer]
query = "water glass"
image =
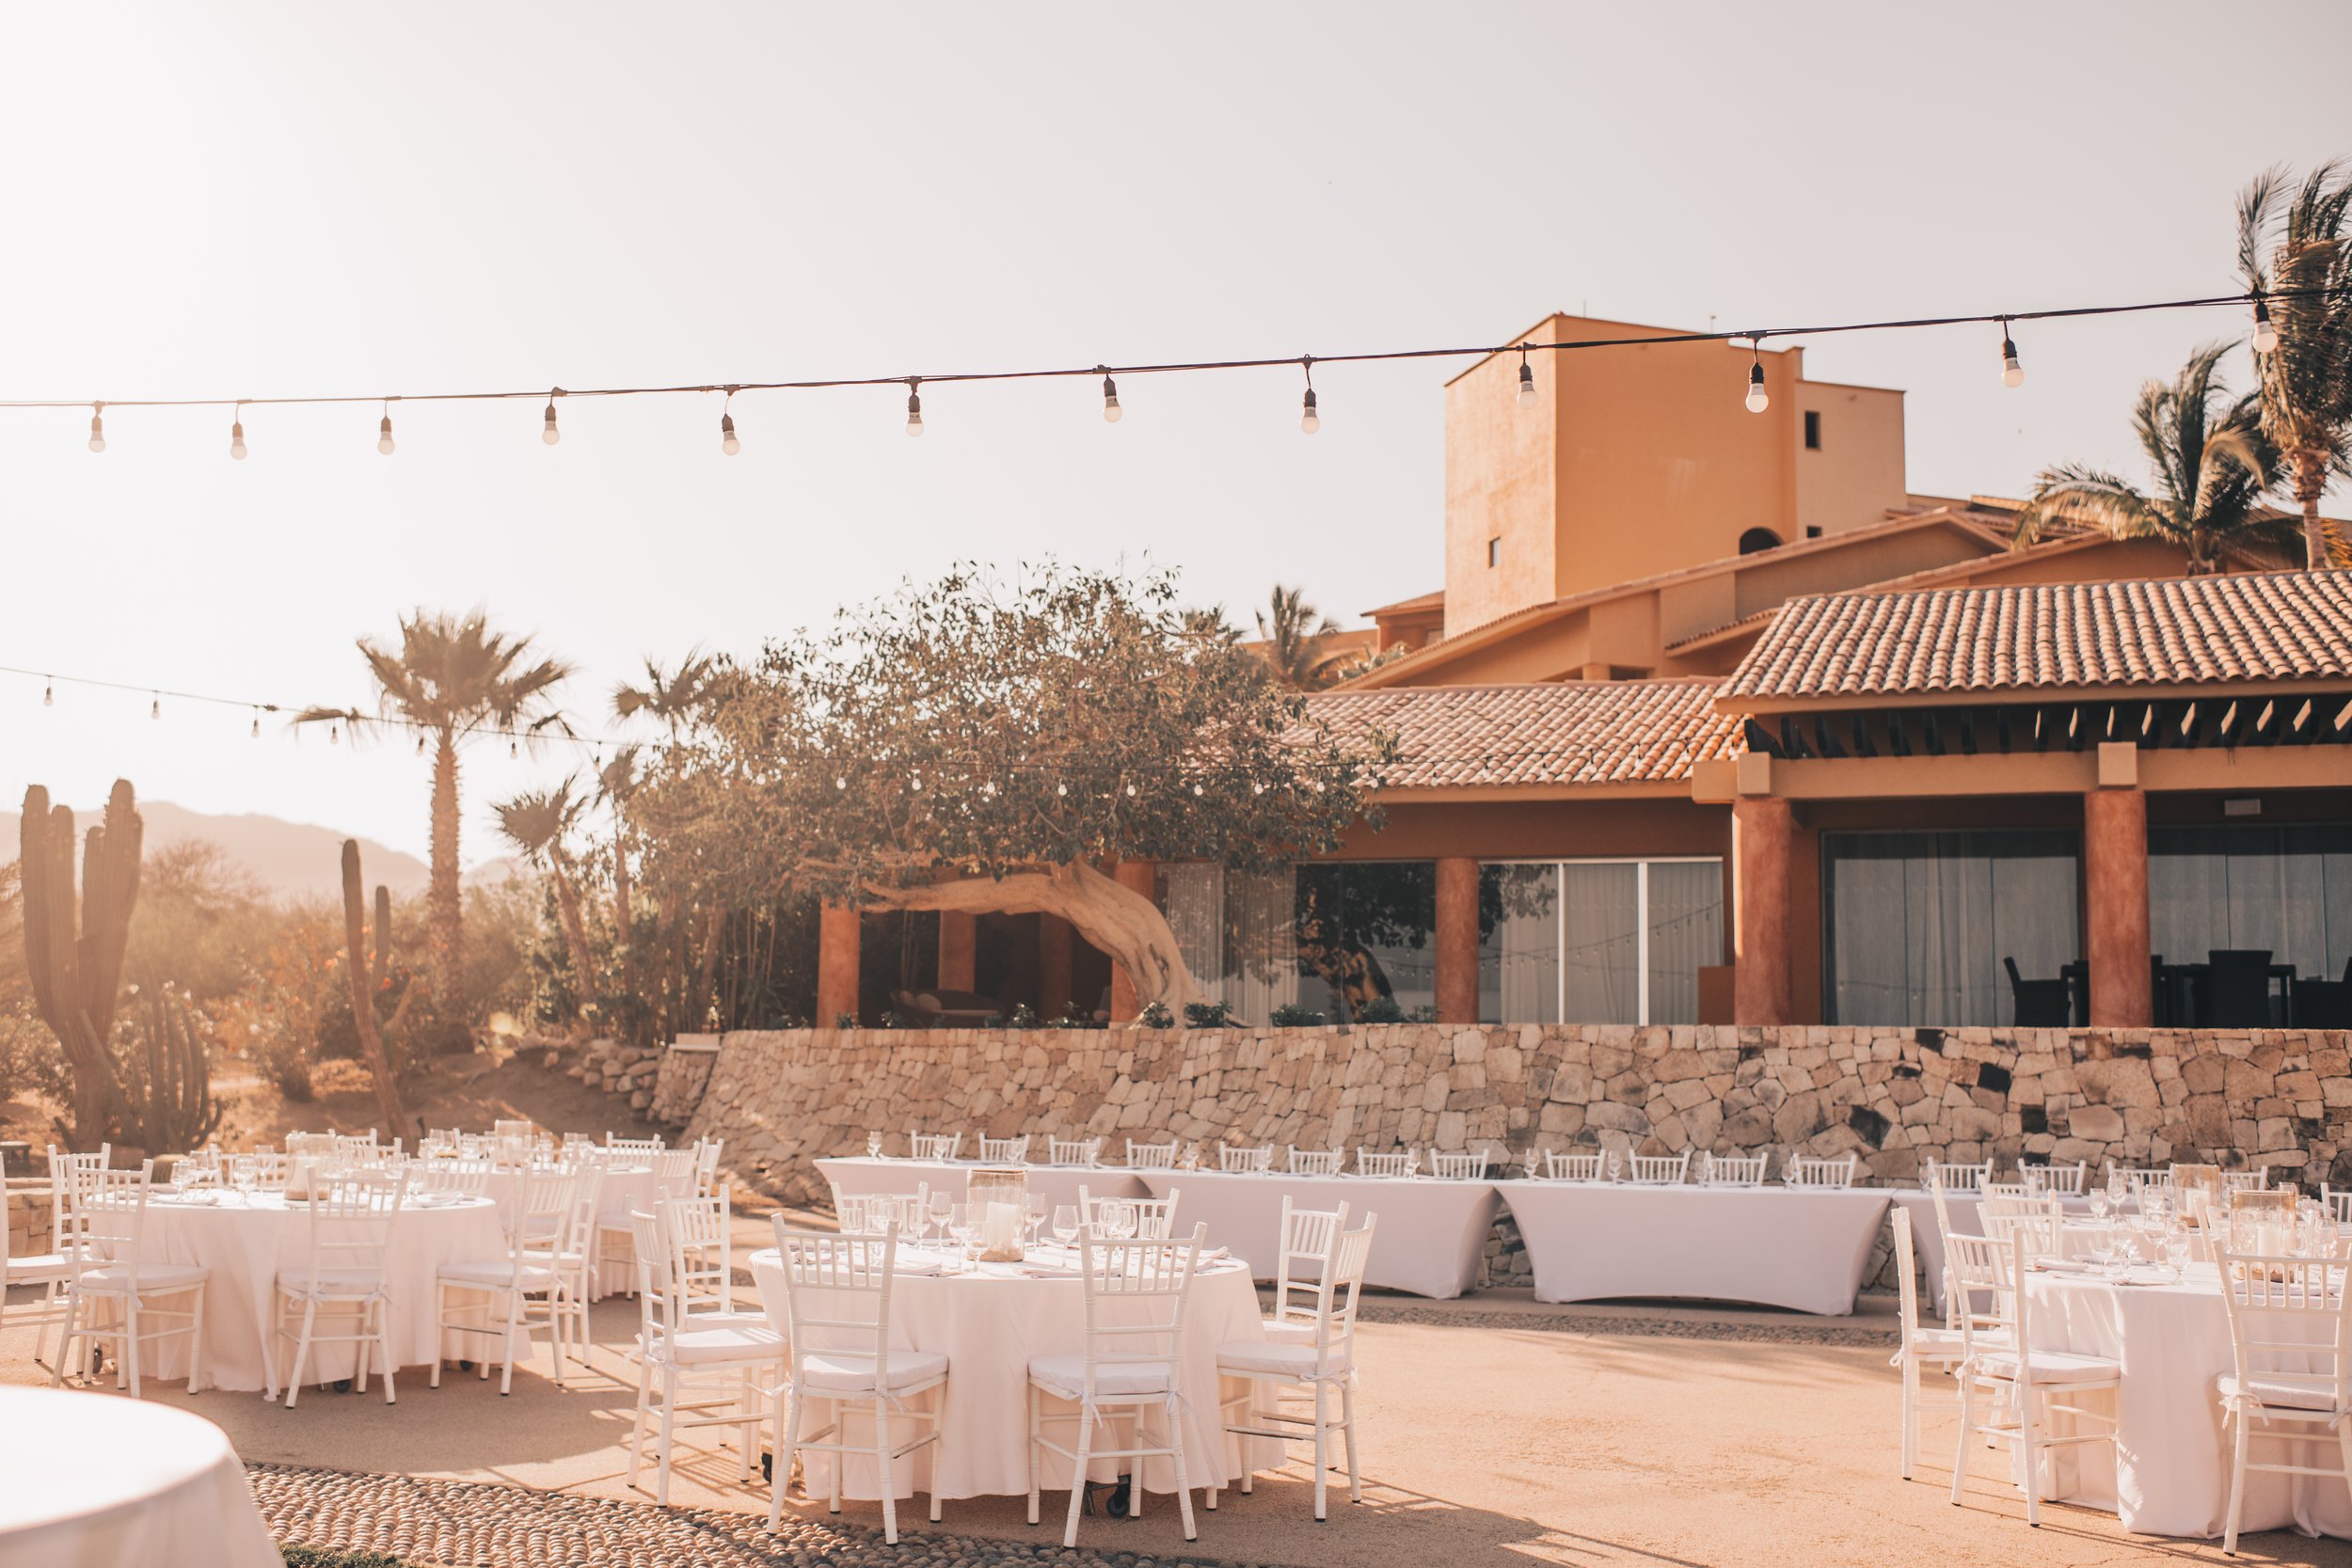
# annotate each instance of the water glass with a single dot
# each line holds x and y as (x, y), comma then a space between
(873, 1146)
(1065, 1223)
(942, 1209)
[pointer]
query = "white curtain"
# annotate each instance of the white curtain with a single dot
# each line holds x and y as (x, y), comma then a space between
(1234, 929)
(1685, 934)
(1600, 942)
(1518, 961)
(1920, 924)
(2287, 890)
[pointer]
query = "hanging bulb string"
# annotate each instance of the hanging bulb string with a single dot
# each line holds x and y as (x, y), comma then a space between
(2240, 300)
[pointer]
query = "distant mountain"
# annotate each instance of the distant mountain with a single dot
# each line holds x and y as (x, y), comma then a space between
(291, 860)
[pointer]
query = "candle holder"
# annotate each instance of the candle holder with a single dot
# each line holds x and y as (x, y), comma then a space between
(1001, 1194)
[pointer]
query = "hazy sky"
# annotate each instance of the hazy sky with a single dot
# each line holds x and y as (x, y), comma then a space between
(247, 199)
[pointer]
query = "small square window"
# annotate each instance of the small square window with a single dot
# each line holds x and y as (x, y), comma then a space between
(1494, 552)
(1812, 431)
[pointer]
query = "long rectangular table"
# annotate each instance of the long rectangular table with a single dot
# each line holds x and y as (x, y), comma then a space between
(1771, 1246)
(1056, 1184)
(1429, 1241)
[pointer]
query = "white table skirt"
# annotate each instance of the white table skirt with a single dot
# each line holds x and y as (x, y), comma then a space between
(1768, 1245)
(1428, 1242)
(988, 1323)
(1056, 1184)
(2173, 1474)
(626, 1190)
(246, 1241)
(87, 1479)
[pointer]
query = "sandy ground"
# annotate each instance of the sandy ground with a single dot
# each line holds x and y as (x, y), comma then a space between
(1483, 1442)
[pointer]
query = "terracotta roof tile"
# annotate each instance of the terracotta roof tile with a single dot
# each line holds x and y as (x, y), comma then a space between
(1568, 733)
(2172, 631)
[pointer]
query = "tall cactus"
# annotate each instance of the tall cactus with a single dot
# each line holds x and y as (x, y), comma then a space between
(75, 964)
(364, 982)
(169, 1101)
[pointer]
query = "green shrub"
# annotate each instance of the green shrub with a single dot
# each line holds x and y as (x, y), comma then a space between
(1291, 1016)
(1207, 1015)
(1155, 1015)
(1380, 1009)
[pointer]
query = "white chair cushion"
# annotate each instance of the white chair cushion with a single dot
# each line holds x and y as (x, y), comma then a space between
(1279, 1358)
(39, 1266)
(330, 1282)
(1064, 1373)
(555, 1260)
(746, 1342)
(498, 1273)
(1292, 1333)
(729, 1319)
(154, 1278)
(847, 1373)
(2283, 1390)
(2050, 1365)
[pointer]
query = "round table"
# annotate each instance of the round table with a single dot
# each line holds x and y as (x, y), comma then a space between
(92, 1478)
(2169, 1473)
(247, 1238)
(989, 1321)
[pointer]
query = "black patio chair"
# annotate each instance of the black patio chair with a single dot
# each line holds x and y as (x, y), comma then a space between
(2236, 993)
(2039, 1003)
(2324, 1004)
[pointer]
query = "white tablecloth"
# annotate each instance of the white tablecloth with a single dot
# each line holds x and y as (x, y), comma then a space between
(88, 1481)
(245, 1240)
(2173, 1477)
(1428, 1242)
(1056, 1184)
(626, 1190)
(1769, 1246)
(988, 1324)
(1967, 1211)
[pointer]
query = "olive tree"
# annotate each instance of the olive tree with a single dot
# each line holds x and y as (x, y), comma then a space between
(981, 746)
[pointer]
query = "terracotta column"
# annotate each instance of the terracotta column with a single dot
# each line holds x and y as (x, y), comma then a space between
(958, 937)
(1053, 966)
(2115, 883)
(1763, 827)
(1136, 877)
(1458, 939)
(836, 964)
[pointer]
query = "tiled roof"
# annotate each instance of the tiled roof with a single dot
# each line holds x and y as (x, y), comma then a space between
(1434, 599)
(2171, 631)
(1568, 733)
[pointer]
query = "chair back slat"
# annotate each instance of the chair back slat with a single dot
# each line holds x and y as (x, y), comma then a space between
(1385, 1162)
(1740, 1170)
(1005, 1152)
(1315, 1161)
(1134, 1299)
(1458, 1167)
(1573, 1168)
(1155, 1217)
(1306, 1250)
(2292, 1317)
(1074, 1151)
(1660, 1169)
(933, 1146)
(1827, 1174)
(1142, 1156)
(1244, 1160)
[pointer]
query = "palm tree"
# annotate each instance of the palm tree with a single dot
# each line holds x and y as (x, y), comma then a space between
(616, 785)
(672, 699)
(450, 679)
(1294, 631)
(2211, 464)
(2296, 253)
(1209, 625)
(538, 822)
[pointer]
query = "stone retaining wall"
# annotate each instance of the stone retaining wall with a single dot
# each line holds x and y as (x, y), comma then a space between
(30, 1217)
(1896, 1097)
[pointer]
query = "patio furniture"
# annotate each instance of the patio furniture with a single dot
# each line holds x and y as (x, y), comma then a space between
(1321, 1362)
(2039, 1003)
(2234, 990)
(947, 1009)
(2031, 1385)
(2323, 1004)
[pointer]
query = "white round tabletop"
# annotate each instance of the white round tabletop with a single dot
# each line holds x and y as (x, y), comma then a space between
(95, 1479)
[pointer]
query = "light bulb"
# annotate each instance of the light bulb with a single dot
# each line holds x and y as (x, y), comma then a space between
(421, 744)
(1758, 399)
(1527, 385)
(1062, 789)
(547, 432)
(1309, 421)
(236, 439)
(917, 783)
(334, 734)
(1110, 400)
(97, 429)
(914, 413)
(48, 695)
(257, 726)
(727, 443)
(1131, 792)
(1198, 790)
(384, 436)
(2266, 335)
(2012, 372)
(514, 750)
(155, 708)
(840, 784)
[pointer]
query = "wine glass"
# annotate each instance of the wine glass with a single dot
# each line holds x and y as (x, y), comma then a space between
(1065, 1223)
(1534, 1161)
(2099, 1205)
(2176, 1253)
(942, 1207)
(964, 1223)
(873, 1146)
(241, 1174)
(1115, 1220)
(1032, 1216)
(1792, 1171)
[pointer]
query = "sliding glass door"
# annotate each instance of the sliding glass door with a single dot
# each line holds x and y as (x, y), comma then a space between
(2286, 889)
(1598, 941)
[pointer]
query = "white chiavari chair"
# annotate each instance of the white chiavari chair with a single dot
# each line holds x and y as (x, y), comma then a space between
(1073, 1152)
(933, 1146)
(1152, 1156)
(1135, 1292)
(1959, 1178)
(705, 1369)
(1573, 1168)
(1322, 1363)
(68, 1174)
(1307, 1237)
(269, 1169)
(513, 1126)
(2338, 1202)
(614, 1145)
(512, 1295)
(572, 1253)
(110, 1224)
(468, 1178)
(1830, 1175)
(1659, 1170)
(2030, 1387)
(1371, 1162)
(345, 1259)
(1155, 1217)
(51, 1272)
(1005, 1152)
(2067, 1179)
(1923, 1348)
(1738, 1170)
(2245, 1180)
(1315, 1161)
(1458, 1167)
(1244, 1160)
(836, 1292)
(2145, 1176)
(2006, 1210)
(706, 1154)
(2291, 1377)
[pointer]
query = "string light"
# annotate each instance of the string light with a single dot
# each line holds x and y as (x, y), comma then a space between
(1527, 380)
(257, 724)
(384, 430)
(547, 432)
(2266, 335)
(155, 708)
(1309, 421)
(97, 427)
(2012, 369)
(727, 443)
(1758, 399)
(915, 406)
(514, 750)
(419, 743)
(236, 435)
(334, 734)
(1111, 410)
(49, 695)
